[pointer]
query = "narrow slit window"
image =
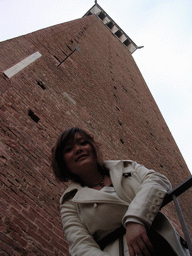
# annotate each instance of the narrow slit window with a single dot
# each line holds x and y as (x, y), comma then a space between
(40, 83)
(34, 117)
(122, 141)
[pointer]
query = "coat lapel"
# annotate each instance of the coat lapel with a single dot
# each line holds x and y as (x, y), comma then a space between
(88, 195)
(117, 169)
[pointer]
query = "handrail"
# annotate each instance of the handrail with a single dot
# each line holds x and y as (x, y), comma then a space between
(181, 188)
(172, 195)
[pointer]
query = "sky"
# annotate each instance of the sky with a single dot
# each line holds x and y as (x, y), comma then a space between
(163, 27)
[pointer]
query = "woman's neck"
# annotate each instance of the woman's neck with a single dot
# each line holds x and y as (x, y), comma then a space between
(92, 178)
(96, 180)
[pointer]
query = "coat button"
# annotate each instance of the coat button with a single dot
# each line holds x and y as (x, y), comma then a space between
(156, 201)
(160, 194)
(153, 209)
(95, 205)
(127, 174)
(150, 217)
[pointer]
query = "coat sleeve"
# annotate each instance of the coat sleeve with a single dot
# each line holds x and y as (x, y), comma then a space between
(81, 242)
(153, 187)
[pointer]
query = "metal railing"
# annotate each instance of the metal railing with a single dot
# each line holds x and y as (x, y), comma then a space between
(172, 195)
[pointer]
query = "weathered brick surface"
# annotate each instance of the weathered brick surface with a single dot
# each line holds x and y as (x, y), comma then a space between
(99, 89)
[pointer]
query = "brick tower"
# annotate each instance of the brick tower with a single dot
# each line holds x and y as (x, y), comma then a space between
(79, 73)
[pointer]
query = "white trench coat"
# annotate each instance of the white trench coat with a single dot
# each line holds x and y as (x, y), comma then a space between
(88, 215)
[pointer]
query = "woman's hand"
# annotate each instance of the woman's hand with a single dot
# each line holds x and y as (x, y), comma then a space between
(137, 240)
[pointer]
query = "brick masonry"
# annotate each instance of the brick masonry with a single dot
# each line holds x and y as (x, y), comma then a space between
(85, 78)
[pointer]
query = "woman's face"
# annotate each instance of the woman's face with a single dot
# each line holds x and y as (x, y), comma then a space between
(79, 155)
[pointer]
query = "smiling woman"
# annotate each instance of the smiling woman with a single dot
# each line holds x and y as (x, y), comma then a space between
(81, 160)
(104, 195)
(74, 154)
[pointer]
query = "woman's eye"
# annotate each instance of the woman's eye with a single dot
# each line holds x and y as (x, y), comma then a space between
(83, 143)
(66, 150)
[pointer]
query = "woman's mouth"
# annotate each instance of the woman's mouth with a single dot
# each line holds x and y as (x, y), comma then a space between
(80, 157)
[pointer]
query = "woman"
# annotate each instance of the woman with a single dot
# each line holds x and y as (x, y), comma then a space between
(103, 196)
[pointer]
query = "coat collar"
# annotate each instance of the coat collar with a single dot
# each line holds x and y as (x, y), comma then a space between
(89, 195)
(117, 168)
(85, 194)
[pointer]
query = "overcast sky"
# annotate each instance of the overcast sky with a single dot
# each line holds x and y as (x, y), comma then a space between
(163, 27)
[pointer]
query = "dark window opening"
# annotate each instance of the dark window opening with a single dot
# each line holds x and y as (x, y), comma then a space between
(34, 117)
(101, 16)
(126, 42)
(40, 83)
(115, 96)
(118, 33)
(124, 88)
(110, 25)
(122, 141)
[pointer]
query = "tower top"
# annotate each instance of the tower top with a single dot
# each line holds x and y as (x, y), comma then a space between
(112, 26)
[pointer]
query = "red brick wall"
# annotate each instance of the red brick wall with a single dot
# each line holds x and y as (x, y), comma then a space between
(106, 95)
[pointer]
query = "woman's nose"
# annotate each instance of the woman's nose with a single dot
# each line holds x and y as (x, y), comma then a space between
(78, 149)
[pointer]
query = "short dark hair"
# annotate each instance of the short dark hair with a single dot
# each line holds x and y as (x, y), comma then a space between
(59, 167)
